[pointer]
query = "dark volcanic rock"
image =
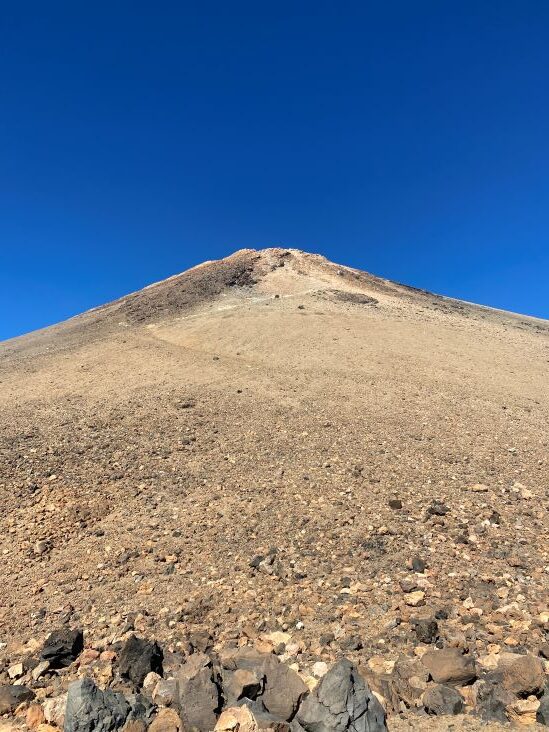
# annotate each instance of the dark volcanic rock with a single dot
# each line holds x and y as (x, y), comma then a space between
(283, 688)
(138, 658)
(342, 701)
(492, 698)
(426, 629)
(91, 710)
(62, 647)
(418, 564)
(199, 697)
(542, 715)
(442, 699)
(12, 696)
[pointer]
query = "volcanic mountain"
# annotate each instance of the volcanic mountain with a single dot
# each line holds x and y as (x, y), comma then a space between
(276, 443)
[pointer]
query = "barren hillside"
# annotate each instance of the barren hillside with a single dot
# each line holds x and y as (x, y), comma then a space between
(268, 443)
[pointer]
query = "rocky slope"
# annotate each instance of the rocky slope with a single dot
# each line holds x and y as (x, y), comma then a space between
(273, 443)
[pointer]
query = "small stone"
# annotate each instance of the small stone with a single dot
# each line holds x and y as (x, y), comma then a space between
(408, 584)
(418, 565)
(414, 599)
(542, 714)
(350, 643)
(243, 683)
(426, 629)
(54, 710)
(40, 669)
(395, 504)
(326, 638)
(88, 655)
(198, 694)
(41, 547)
(492, 699)
(16, 671)
(437, 508)
(150, 682)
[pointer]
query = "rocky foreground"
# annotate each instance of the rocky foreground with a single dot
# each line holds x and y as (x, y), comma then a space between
(133, 684)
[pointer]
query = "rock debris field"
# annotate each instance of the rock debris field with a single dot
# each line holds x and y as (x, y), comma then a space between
(276, 493)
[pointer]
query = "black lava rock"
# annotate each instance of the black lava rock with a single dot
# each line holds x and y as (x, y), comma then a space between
(62, 647)
(138, 658)
(426, 629)
(418, 564)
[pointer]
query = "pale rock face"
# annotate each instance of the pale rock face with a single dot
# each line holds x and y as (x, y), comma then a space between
(236, 719)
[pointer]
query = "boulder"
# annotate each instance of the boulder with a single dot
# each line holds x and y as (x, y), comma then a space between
(282, 688)
(524, 676)
(440, 699)
(242, 683)
(199, 697)
(342, 701)
(62, 647)
(449, 666)
(12, 696)
(138, 658)
(492, 699)
(91, 710)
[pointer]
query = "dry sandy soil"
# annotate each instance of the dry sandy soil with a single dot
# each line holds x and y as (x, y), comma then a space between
(150, 449)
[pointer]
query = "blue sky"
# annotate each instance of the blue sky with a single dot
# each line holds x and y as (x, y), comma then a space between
(138, 139)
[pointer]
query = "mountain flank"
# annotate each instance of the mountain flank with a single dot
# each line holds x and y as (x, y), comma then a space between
(277, 466)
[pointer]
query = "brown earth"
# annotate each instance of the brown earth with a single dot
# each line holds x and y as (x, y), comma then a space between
(150, 449)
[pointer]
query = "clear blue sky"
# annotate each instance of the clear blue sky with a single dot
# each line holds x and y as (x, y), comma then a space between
(410, 139)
